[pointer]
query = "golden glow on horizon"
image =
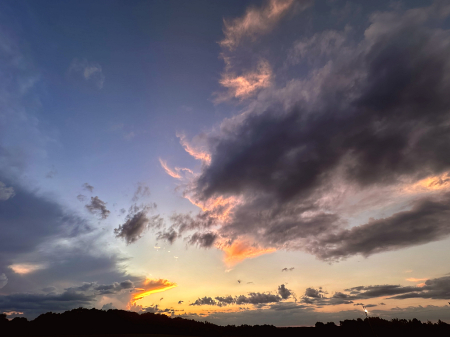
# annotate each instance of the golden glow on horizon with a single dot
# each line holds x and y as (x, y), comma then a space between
(241, 250)
(152, 286)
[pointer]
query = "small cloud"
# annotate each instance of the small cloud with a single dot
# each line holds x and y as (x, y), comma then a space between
(51, 174)
(6, 192)
(89, 71)
(81, 197)
(88, 187)
(108, 306)
(287, 269)
(98, 207)
(141, 191)
(129, 136)
(179, 302)
(3, 280)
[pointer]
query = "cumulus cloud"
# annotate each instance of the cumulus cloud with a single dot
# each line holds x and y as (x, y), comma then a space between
(6, 192)
(89, 71)
(137, 223)
(98, 207)
(293, 166)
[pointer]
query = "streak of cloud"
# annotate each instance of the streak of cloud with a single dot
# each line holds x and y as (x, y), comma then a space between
(98, 207)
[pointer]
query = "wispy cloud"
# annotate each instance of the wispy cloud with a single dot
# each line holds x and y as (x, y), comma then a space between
(90, 71)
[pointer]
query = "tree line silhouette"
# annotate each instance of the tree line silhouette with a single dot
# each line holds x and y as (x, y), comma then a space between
(115, 322)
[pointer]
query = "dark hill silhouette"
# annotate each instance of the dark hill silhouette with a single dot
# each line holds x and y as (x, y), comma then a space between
(116, 322)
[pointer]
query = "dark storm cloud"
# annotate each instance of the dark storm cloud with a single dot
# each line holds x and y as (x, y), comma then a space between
(137, 222)
(33, 305)
(427, 221)
(88, 187)
(376, 115)
(73, 297)
(98, 207)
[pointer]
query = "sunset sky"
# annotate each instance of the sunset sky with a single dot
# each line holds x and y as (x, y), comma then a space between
(242, 162)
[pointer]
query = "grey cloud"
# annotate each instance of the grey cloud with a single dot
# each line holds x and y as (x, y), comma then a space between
(108, 306)
(427, 221)
(141, 191)
(204, 301)
(438, 288)
(33, 305)
(88, 187)
(179, 302)
(137, 222)
(284, 292)
(98, 207)
(288, 269)
(363, 122)
(81, 197)
(203, 239)
(254, 298)
(6, 192)
(170, 236)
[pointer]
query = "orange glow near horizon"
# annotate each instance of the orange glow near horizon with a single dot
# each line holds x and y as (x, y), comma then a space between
(152, 286)
(241, 250)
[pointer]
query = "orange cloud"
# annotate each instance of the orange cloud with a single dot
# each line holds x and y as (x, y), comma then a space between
(241, 250)
(196, 153)
(412, 279)
(256, 21)
(246, 84)
(169, 171)
(432, 183)
(152, 286)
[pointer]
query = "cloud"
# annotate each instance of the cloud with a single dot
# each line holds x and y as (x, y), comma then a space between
(137, 222)
(81, 197)
(304, 157)
(427, 221)
(256, 22)
(242, 86)
(203, 240)
(254, 298)
(108, 306)
(89, 71)
(152, 286)
(3, 280)
(88, 187)
(284, 292)
(6, 192)
(288, 269)
(98, 207)
(142, 191)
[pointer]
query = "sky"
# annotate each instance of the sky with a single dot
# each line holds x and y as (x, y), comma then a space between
(241, 162)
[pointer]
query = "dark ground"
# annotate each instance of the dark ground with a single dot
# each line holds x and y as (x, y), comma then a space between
(120, 323)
